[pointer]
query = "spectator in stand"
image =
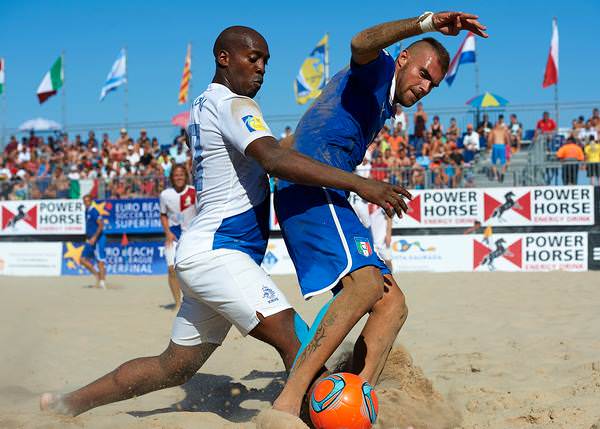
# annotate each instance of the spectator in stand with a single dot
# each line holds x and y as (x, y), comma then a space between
(143, 139)
(123, 139)
(545, 126)
(499, 138)
(587, 133)
(33, 141)
(453, 132)
(400, 119)
(396, 140)
(379, 168)
(570, 154)
(516, 132)
(420, 123)
(418, 174)
(436, 126)
(484, 127)
(91, 141)
(12, 145)
(457, 161)
(592, 157)
(179, 155)
(181, 138)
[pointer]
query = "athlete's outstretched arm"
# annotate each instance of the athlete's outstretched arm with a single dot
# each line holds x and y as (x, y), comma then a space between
(367, 44)
(291, 165)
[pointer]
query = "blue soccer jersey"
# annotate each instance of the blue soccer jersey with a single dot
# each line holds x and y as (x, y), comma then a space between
(91, 222)
(347, 116)
(324, 237)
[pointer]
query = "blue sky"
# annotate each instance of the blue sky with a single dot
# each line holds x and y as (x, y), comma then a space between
(34, 33)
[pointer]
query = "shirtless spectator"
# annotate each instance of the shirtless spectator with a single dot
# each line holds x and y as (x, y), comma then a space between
(123, 139)
(420, 122)
(401, 119)
(516, 132)
(499, 138)
(453, 132)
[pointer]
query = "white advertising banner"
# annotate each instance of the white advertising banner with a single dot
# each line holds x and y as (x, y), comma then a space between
(30, 259)
(553, 251)
(519, 206)
(42, 217)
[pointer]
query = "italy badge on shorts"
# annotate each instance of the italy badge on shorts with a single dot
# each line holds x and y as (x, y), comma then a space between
(363, 246)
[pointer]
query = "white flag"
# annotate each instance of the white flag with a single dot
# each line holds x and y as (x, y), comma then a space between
(117, 75)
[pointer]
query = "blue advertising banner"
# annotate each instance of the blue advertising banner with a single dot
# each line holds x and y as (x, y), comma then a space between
(135, 216)
(144, 258)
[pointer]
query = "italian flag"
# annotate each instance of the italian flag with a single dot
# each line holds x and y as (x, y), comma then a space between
(1, 75)
(52, 81)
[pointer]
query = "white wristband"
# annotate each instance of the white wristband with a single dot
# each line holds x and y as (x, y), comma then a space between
(426, 22)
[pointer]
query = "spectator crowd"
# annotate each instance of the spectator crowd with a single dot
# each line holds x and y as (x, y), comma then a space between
(432, 154)
(54, 167)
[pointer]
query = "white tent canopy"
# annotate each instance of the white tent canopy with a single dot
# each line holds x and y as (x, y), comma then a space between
(40, 124)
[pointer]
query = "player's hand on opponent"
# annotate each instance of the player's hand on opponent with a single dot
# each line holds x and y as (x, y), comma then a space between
(387, 196)
(451, 23)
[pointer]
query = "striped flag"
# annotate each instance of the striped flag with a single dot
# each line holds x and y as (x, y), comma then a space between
(1, 75)
(313, 74)
(53, 80)
(117, 75)
(465, 54)
(551, 73)
(184, 88)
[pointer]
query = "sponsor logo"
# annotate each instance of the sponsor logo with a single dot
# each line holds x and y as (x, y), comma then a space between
(483, 256)
(269, 260)
(363, 246)
(494, 209)
(404, 246)
(254, 123)
(10, 219)
(444, 208)
(269, 295)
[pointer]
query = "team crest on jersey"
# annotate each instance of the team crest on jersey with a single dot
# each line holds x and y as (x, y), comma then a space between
(254, 123)
(363, 246)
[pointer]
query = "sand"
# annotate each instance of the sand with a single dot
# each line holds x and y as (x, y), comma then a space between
(485, 350)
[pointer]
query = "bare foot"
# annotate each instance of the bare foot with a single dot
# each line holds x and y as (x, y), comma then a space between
(54, 402)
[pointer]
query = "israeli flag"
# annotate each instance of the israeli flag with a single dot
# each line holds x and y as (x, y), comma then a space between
(465, 54)
(117, 75)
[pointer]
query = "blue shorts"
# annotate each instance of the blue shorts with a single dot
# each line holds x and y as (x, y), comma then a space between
(97, 251)
(324, 237)
(498, 154)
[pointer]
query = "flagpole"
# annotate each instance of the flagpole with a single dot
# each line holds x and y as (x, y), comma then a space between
(556, 112)
(2, 142)
(125, 97)
(64, 94)
(476, 89)
(327, 60)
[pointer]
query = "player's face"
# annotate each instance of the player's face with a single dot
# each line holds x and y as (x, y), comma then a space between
(179, 178)
(247, 66)
(87, 201)
(417, 73)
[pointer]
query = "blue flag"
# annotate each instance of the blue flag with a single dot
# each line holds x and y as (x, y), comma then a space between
(117, 75)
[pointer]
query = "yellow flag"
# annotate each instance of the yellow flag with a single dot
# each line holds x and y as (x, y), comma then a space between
(313, 74)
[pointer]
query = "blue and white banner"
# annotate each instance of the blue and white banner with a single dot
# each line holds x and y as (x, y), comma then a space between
(117, 75)
(144, 259)
(135, 216)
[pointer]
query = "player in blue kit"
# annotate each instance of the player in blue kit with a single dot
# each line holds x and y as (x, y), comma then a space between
(95, 243)
(329, 246)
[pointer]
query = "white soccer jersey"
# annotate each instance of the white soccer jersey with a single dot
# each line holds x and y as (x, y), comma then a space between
(378, 225)
(180, 207)
(361, 208)
(232, 189)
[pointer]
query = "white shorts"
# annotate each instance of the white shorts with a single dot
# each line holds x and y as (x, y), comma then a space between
(222, 287)
(170, 254)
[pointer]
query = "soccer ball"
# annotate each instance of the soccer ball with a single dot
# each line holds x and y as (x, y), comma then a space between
(343, 401)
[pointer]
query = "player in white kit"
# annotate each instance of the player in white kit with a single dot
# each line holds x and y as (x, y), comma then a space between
(218, 257)
(381, 230)
(177, 209)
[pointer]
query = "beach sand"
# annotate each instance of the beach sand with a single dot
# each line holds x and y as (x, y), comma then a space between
(483, 350)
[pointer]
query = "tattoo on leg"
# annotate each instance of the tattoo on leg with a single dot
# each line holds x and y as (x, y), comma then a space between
(315, 343)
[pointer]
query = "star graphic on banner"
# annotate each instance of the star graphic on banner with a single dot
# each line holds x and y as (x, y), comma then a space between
(102, 208)
(73, 252)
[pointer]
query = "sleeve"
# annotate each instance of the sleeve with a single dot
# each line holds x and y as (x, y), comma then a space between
(375, 74)
(241, 122)
(162, 203)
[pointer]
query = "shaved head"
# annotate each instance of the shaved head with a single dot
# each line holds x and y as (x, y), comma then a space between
(437, 47)
(241, 57)
(236, 37)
